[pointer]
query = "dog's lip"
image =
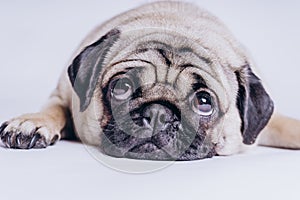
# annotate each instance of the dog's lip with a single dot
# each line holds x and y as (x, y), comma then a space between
(150, 145)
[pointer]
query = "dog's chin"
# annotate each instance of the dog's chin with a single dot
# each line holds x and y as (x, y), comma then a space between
(151, 151)
(171, 144)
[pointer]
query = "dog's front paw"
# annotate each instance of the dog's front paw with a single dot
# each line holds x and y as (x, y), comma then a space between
(29, 131)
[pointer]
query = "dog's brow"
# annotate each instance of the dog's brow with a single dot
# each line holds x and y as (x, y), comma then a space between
(200, 82)
(189, 50)
(131, 60)
(124, 61)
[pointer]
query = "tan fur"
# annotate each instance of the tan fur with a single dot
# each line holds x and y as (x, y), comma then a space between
(281, 132)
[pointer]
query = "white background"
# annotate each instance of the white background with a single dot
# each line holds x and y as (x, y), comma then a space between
(38, 37)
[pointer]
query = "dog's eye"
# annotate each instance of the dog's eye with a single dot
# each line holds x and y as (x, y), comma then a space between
(122, 89)
(202, 103)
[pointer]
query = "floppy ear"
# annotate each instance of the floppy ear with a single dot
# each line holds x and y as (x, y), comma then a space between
(254, 104)
(86, 67)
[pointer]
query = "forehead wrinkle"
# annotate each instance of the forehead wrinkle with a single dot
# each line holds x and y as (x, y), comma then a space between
(190, 50)
(176, 57)
(171, 49)
(122, 66)
(154, 55)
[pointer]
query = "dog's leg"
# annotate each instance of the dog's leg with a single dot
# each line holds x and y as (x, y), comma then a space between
(38, 130)
(283, 132)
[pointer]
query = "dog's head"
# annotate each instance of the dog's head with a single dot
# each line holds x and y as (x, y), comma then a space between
(162, 96)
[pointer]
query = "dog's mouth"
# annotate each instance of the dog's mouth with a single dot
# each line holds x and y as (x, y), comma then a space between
(147, 147)
(150, 149)
(173, 140)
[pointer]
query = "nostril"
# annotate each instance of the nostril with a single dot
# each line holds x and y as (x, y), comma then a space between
(162, 118)
(146, 123)
(148, 119)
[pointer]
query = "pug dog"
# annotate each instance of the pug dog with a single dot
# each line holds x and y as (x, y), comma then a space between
(164, 81)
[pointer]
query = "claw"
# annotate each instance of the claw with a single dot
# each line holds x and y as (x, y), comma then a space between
(6, 140)
(34, 139)
(18, 140)
(54, 139)
(2, 127)
(13, 140)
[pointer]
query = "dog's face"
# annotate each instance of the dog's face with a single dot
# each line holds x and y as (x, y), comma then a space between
(164, 97)
(159, 105)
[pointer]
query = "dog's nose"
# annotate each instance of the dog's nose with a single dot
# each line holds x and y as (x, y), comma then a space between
(156, 116)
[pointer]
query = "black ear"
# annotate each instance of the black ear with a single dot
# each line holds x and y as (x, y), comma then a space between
(254, 104)
(86, 67)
